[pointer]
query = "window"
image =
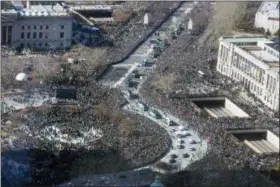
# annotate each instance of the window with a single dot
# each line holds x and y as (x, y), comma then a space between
(41, 27)
(260, 91)
(40, 35)
(62, 26)
(46, 44)
(28, 27)
(46, 35)
(22, 35)
(35, 27)
(22, 27)
(21, 45)
(47, 27)
(254, 88)
(61, 44)
(34, 35)
(28, 45)
(62, 35)
(40, 44)
(28, 35)
(34, 44)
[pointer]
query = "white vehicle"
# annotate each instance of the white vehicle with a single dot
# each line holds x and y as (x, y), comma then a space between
(181, 128)
(142, 106)
(192, 141)
(153, 114)
(185, 133)
(201, 74)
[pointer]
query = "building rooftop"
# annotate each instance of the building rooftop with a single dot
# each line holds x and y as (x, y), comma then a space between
(254, 49)
(247, 39)
(270, 8)
(38, 10)
(263, 55)
(275, 44)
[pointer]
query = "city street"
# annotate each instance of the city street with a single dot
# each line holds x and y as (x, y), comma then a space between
(186, 146)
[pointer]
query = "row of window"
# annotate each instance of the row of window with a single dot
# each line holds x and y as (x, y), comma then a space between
(271, 83)
(269, 99)
(247, 83)
(224, 53)
(40, 27)
(248, 67)
(28, 45)
(40, 35)
(270, 51)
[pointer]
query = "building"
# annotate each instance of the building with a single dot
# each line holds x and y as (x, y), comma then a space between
(253, 61)
(36, 26)
(267, 16)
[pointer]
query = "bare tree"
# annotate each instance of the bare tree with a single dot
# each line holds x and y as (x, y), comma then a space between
(116, 117)
(164, 82)
(89, 59)
(9, 69)
(127, 127)
(226, 17)
(101, 111)
(44, 70)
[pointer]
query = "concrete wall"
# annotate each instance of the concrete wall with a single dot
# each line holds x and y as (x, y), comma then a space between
(273, 139)
(208, 99)
(234, 109)
(53, 31)
(225, 66)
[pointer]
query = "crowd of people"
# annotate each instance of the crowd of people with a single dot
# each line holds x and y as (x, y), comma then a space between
(128, 35)
(185, 57)
(147, 143)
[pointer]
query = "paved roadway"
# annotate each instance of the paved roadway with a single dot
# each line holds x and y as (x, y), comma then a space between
(144, 175)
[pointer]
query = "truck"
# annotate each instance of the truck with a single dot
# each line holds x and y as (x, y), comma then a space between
(154, 114)
(142, 106)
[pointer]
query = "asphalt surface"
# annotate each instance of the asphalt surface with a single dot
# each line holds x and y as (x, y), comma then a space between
(190, 143)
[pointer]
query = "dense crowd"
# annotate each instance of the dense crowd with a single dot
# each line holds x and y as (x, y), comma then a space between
(128, 35)
(185, 57)
(145, 145)
(153, 141)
